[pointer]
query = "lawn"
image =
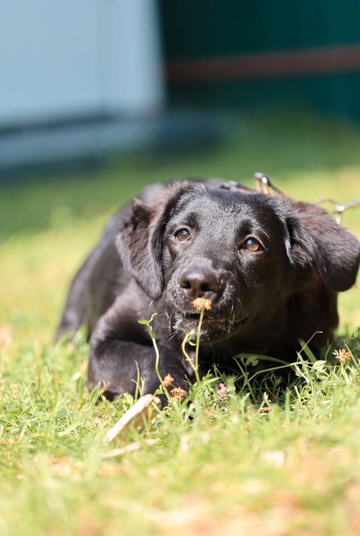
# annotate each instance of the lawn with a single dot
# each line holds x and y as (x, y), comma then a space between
(288, 464)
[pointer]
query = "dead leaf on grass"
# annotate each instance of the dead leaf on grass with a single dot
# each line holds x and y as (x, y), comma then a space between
(184, 445)
(129, 448)
(142, 410)
(275, 458)
(239, 521)
(65, 467)
(6, 336)
(60, 467)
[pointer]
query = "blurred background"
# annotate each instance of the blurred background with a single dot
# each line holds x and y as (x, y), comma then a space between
(99, 98)
(82, 80)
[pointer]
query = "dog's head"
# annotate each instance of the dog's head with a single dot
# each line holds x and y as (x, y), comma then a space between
(247, 253)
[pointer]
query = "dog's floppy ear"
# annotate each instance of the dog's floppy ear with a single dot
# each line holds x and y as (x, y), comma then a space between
(316, 241)
(140, 239)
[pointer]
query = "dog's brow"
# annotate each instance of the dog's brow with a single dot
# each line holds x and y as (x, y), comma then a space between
(245, 227)
(249, 226)
(191, 220)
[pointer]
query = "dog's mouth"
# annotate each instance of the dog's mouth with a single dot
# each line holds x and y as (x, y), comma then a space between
(207, 319)
(213, 327)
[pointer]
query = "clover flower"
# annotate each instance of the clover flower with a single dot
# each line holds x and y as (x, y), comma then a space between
(342, 355)
(222, 391)
(202, 304)
(167, 381)
(178, 393)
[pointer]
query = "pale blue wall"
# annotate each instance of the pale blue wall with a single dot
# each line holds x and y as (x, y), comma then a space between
(71, 58)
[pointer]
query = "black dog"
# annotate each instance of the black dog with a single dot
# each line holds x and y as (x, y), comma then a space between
(271, 267)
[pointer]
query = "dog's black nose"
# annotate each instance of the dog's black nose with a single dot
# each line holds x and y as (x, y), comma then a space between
(199, 283)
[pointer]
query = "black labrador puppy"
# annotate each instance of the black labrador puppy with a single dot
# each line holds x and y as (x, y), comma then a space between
(271, 267)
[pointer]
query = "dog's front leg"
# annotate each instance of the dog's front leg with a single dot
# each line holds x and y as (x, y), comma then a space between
(118, 365)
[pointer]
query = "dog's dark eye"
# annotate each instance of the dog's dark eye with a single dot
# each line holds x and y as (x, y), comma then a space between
(182, 235)
(252, 244)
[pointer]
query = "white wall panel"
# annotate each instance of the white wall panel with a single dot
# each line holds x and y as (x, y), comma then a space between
(75, 57)
(133, 80)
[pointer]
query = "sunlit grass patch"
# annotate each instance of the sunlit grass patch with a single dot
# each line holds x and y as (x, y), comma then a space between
(203, 462)
(260, 459)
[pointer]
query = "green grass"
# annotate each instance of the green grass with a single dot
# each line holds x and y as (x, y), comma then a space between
(235, 467)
